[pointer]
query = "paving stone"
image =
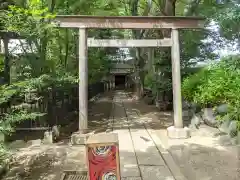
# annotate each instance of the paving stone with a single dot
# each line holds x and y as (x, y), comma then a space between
(128, 162)
(146, 151)
(156, 173)
(129, 170)
(167, 156)
(135, 145)
(125, 141)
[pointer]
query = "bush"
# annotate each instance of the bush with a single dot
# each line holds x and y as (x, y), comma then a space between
(157, 83)
(219, 83)
(15, 96)
(191, 84)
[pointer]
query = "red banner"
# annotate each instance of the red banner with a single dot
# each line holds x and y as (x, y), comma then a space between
(102, 163)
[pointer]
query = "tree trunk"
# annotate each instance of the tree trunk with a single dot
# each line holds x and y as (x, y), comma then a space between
(6, 61)
(60, 47)
(191, 7)
(139, 74)
(136, 35)
(169, 10)
(67, 40)
(44, 42)
(66, 48)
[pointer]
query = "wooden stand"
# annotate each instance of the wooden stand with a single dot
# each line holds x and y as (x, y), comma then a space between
(103, 156)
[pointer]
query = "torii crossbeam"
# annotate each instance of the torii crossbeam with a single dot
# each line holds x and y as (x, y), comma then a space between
(131, 22)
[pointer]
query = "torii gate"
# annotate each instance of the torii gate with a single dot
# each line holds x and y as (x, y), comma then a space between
(131, 22)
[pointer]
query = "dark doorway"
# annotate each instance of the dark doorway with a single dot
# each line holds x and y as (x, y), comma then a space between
(120, 81)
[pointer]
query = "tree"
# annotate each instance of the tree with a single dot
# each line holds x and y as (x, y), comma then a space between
(229, 20)
(49, 55)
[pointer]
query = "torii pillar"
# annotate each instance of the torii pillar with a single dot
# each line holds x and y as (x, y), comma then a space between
(83, 81)
(178, 131)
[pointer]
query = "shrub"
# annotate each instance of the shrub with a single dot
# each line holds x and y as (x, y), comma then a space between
(216, 84)
(16, 97)
(190, 85)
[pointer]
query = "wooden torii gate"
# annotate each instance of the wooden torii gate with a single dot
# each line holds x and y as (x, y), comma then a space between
(130, 22)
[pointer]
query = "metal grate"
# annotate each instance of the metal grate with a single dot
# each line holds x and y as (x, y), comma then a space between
(74, 175)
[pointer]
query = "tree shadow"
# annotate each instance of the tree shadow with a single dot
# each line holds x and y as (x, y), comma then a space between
(98, 115)
(202, 163)
(195, 161)
(45, 164)
(49, 165)
(129, 114)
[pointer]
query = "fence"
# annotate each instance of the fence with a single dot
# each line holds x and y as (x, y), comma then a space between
(56, 104)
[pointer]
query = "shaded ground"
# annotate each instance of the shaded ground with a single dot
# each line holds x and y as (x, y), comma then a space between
(205, 156)
(142, 137)
(47, 162)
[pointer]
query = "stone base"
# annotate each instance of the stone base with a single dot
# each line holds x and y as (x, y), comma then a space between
(48, 137)
(79, 138)
(36, 142)
(178, 133)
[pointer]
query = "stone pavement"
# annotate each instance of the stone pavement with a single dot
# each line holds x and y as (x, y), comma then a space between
(146, 153)
(204, 156)
(141, 154)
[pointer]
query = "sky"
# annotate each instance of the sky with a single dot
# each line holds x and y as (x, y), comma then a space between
(229, 48)
(15, 48)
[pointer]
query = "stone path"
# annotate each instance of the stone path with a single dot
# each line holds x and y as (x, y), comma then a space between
(142, 156)
(140, 149)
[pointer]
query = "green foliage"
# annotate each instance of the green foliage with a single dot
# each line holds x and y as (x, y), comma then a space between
(232, 114)
(34, 17)
(11, 119)
(229, 20)
(50, 58)
(149, 81)
(40, 84)
(99, 64)
(219, 83)
(17, 95)
(193, 85)
(215, 84)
